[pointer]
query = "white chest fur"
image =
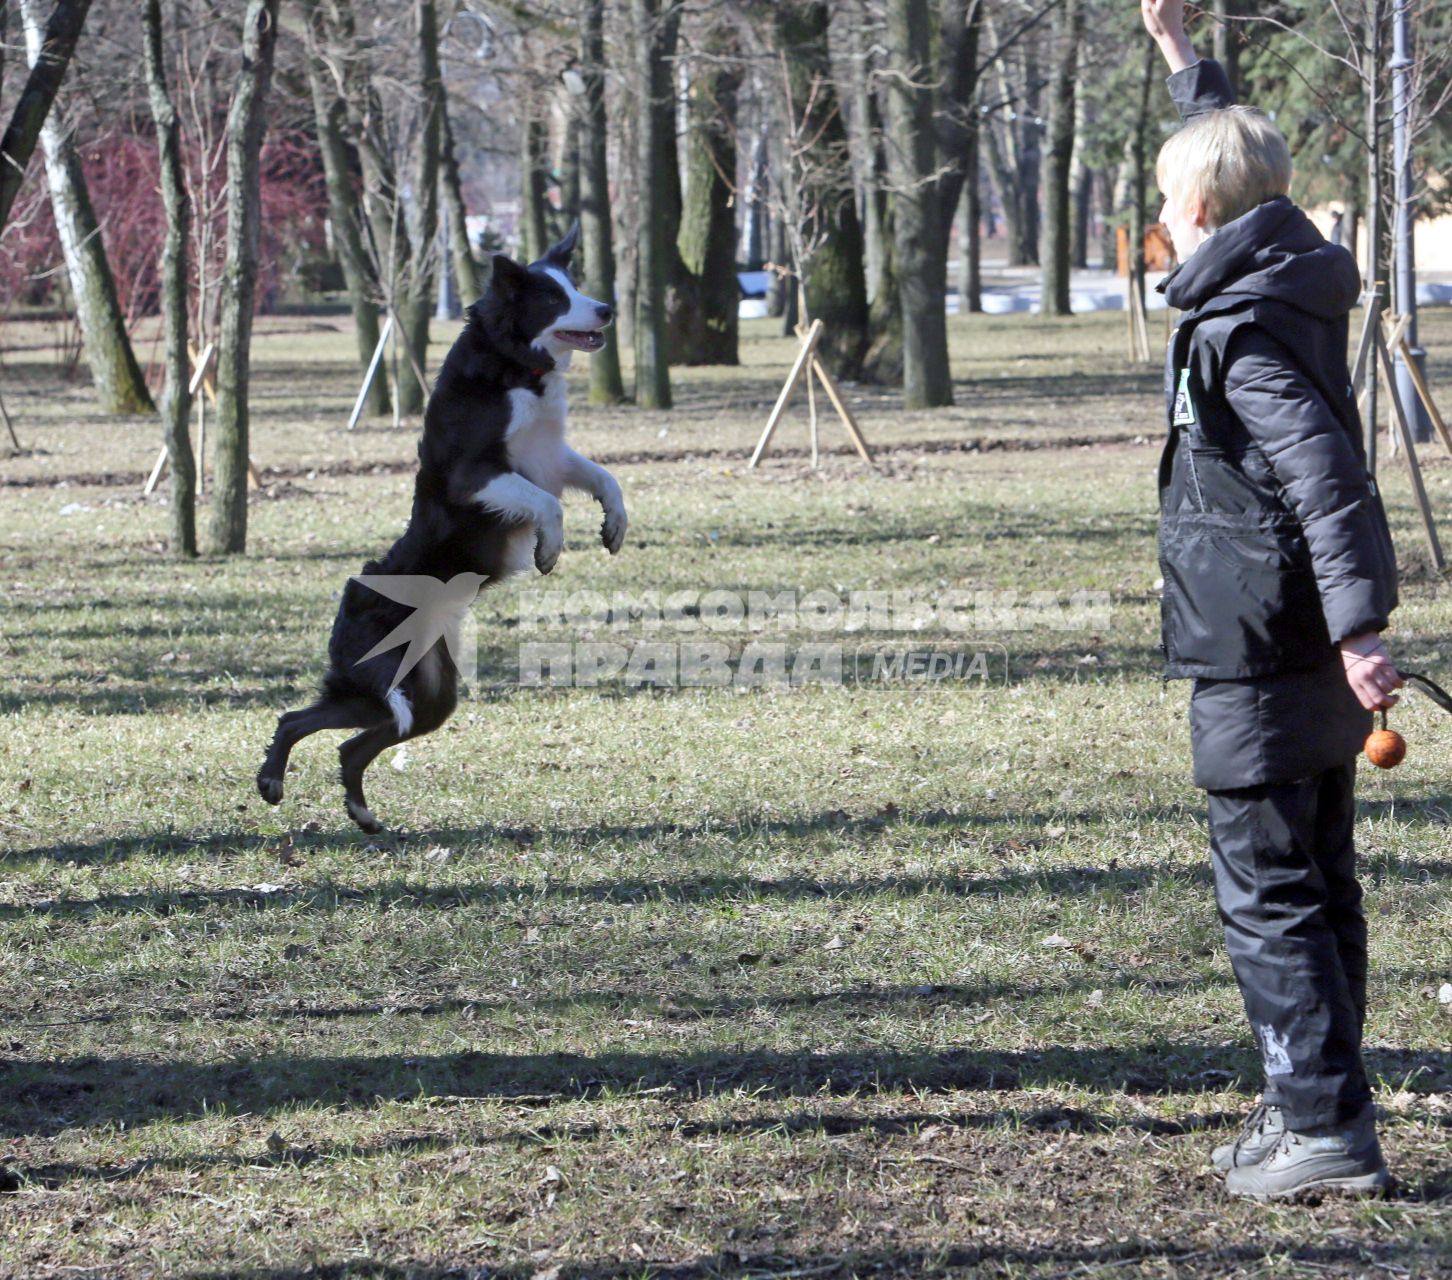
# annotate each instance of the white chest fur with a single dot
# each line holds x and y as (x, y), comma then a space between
(534, 441)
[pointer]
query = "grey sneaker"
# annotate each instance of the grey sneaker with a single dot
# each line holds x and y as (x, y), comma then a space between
(1339, 1157)
(1262, 1130)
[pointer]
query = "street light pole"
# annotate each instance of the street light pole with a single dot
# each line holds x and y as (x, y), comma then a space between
(1405, 216)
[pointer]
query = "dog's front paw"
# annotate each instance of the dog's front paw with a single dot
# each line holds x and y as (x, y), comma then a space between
(549, 540)
(612, 531)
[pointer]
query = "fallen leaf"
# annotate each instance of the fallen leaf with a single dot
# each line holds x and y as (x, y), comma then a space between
(1056, 940)
(834, 943)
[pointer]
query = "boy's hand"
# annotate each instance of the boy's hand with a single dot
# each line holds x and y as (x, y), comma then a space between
(1370, 671)
(1165, 21)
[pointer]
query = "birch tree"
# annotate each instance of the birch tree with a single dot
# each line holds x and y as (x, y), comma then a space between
(118, 379)
(28, 117)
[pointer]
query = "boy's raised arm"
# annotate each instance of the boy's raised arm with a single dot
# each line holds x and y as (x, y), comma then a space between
(1197, 85)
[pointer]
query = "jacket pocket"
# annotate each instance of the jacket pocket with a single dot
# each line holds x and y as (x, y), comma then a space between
(1240, 597)
(1237, 482)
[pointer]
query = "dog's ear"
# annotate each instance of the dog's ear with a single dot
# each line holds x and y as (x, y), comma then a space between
(507, 277)
(559, 254)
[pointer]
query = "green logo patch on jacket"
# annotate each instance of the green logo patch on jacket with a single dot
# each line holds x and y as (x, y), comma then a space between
(1184, 415)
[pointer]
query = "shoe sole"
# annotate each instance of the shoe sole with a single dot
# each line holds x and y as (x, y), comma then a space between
(1366, 1184)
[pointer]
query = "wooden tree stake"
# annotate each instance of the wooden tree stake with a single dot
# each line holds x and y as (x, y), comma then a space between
(201, 379)
(808, 365)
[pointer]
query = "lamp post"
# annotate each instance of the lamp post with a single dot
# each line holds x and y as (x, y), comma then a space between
(1404, 218)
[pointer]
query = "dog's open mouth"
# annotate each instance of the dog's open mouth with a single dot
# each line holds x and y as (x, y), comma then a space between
(581, 339)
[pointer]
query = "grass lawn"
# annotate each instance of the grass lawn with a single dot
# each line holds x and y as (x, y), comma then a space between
(787, 982)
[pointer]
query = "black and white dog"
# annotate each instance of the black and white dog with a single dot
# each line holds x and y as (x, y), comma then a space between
(492, 465)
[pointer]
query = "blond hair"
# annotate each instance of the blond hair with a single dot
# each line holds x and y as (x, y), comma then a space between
(1231, 160)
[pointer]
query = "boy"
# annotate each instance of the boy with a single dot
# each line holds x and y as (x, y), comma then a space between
(1279, 576)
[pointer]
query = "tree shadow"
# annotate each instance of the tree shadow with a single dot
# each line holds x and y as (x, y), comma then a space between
(1167, 1257)
(1050, 1119)
(48, 1096)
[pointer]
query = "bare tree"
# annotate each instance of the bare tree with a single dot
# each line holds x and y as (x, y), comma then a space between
(708, 224)
(117, 376)
(176, 399)
(1068, 30)
(340, 161)
(814, 203)
(41, 86)
(466, 268)
(246, 122)
(918, 233)
(652, 76)
(418, 299)
(595, 217)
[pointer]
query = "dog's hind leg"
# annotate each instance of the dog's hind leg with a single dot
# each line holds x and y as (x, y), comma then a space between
(355, 756)
(294, 726)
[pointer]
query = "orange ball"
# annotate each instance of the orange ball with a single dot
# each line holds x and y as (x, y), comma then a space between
(1386, 748)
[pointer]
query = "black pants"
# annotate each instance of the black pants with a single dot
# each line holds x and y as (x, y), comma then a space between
(1285, 883)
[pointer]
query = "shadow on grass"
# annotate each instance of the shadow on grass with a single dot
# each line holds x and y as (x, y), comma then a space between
(1051, 1119)
(1015, 830)
(413, 895)
(44, 1097)
(667, 1007)
(1164, 1257)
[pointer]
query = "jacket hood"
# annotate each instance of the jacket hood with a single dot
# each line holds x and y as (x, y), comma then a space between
(1273, 252)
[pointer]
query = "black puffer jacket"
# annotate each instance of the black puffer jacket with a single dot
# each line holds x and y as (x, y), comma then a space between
(1273, 540)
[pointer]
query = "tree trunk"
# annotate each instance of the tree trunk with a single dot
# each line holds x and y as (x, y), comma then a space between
(653, 83)
(836, 287)
(383, 223)
(755, 250)
(339, 168)
(883, 362)
(1081, 190)
(595, 219)
(33, 106)
(884, 356)
(246, 122)
(1058, 222)
(685, 330)
(1030, 159)
(708, 225)
(176, 400)
(1227, 41)
(461, 252)
(782, 284)
(870, 162)
(118, 378)
(534, 230)
(1107, 181)
(956, 119)
(1003, 176)
(419, 298)
(970, 236)
(1139, 180)
(918, 235)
